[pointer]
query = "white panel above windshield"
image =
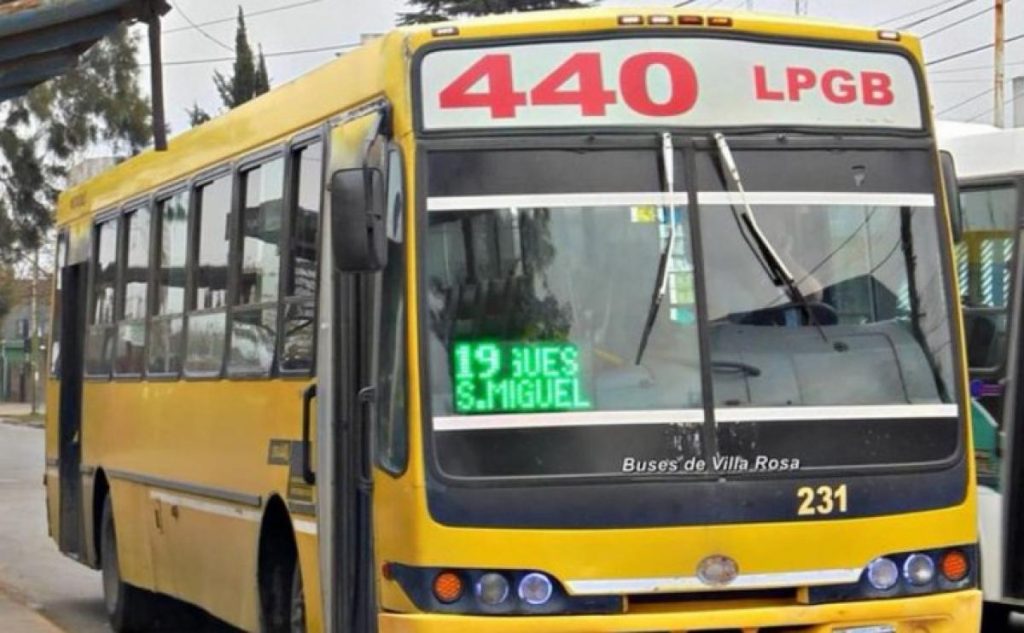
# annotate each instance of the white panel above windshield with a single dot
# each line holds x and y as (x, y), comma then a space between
(695, 82)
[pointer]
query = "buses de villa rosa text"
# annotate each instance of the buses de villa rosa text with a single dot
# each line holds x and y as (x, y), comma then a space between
(720, 463)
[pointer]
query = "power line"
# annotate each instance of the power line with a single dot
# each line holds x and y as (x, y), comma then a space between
(960, 21)
(990, 110)
(201, 31)
(937, 14)
(981, 94)
(252, 15)
(911, 13)
(215, 60)
(976, 49)
(965, 69)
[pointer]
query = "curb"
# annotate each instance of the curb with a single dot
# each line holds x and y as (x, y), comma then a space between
(33, 424)
(21, 617)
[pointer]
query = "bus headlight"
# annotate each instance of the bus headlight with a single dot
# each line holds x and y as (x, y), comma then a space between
(911, 573)
(492, 589)
(919, 569)
(883, 574)
(535, 589)
(493, 592)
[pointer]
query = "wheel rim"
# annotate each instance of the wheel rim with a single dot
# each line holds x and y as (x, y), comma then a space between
(297, 616)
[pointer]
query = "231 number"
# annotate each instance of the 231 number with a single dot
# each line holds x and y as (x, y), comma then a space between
(822, 500)
(589, 93)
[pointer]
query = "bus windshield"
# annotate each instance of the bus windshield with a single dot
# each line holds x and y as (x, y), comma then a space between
(541, 267)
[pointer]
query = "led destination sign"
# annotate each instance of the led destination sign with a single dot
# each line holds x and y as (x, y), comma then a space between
(500, 377)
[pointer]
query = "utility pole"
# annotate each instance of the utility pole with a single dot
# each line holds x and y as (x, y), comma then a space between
(1000, 74)
(800, 6)
(33, 360)
(151, 13)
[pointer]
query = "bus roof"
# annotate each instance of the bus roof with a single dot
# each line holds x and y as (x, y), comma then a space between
(365, 73)
(981, 151)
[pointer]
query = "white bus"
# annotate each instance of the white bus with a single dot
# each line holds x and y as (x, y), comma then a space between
(990, 172)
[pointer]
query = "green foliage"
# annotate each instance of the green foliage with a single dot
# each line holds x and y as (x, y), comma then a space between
(439, 10)
(247, 80)
(98, 103)
(262, 77)
(8, 291)
(197, 115)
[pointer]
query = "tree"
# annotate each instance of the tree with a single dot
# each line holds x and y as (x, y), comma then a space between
(8, 295)
(246, 80)
(98, 103)
(262, 77)
(197, 115)
(439, 10)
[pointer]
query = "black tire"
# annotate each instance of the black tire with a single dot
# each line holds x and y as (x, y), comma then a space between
(995, 618)
(284, 607)
(128, 608)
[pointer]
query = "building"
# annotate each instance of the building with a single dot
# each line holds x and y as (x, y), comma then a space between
(15, 337)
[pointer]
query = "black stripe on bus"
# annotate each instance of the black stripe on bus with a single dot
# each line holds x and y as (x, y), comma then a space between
(218, 494)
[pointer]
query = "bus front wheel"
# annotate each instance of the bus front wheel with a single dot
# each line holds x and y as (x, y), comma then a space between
(127, 607)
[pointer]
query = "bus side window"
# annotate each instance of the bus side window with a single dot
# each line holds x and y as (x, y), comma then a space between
(102, 300)
(392, 422)
(165, 326)
(55, 319)
(207, 318)
(133, 288)
(300, 267)
(254, 315)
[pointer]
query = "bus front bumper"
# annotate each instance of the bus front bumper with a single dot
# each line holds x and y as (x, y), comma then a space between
(958, 612)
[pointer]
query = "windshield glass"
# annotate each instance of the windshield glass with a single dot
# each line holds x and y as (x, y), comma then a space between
(540, 272)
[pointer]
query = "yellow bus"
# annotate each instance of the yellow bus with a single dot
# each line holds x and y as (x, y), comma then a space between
(618, 320)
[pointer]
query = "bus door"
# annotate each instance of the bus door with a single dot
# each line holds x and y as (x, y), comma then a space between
(68, 368)
(1013, 428)
(344, 392)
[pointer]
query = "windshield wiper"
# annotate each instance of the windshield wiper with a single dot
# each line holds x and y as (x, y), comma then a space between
(773, 264)
(668, 166)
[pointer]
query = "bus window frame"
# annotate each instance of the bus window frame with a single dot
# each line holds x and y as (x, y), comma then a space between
(102, 217)
(250, 162)
(160, 195)
(199, 181)
(148, 202)
(296, 144)
(56, 334)
(927, 128)
(948, 470)
(967, 185)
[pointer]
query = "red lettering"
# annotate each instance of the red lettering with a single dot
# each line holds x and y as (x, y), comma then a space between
(500, 96)
(877, 88)
(839, 86)
(590, 96)
(799, 80)
(761, 90)
(682, 81)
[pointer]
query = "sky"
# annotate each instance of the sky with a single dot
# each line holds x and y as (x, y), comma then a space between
(961, 89)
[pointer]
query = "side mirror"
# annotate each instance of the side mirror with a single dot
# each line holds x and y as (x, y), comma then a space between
(952, 189)
(358, 200)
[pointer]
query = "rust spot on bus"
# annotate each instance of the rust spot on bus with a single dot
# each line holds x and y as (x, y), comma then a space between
(78, 201)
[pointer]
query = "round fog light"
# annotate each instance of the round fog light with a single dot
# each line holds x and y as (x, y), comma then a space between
(919, 569)
(492, 589)
(535, 589)
(883, 574)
